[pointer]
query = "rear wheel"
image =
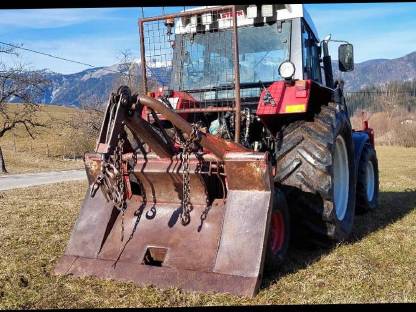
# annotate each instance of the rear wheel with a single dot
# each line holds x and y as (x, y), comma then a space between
(367, 180)
(315, 167)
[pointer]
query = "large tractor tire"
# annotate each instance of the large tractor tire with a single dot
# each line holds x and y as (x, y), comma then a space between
(367, 181)
(315, 168)
(279, 233)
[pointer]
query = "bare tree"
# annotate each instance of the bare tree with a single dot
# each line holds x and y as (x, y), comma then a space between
(92, 117)
(130, 72)
(82, 128)
(18, 83)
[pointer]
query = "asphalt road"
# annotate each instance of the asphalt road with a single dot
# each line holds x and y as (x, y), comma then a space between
(12, 181)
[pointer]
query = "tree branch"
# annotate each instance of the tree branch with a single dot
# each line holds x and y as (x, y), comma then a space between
(19, 83)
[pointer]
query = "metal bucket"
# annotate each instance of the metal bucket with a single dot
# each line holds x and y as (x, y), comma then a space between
(222, 249)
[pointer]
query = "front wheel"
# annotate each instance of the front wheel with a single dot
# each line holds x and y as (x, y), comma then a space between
(367, 181)
(315, 167)
(279, 233)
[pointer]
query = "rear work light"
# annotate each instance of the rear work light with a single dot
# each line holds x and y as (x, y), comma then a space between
(206, 18)
(267, 10)
(252, 11)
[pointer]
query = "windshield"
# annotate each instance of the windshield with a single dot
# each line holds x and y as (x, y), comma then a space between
(204, 60)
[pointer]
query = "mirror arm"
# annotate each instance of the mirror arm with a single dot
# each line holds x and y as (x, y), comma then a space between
(341, 41)
(326, 59)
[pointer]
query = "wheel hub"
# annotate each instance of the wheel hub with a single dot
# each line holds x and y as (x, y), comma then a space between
(277, 231)
(341, 178)
(370, 180)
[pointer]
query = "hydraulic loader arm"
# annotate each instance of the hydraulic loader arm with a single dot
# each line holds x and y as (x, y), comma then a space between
(125, 109)
(120, 112)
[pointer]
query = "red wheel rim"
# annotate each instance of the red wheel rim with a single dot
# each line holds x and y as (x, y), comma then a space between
(277, 232)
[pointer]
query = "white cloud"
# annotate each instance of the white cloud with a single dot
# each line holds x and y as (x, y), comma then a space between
(349, 24)
(97, 51)
(51, 18)
(89, 47)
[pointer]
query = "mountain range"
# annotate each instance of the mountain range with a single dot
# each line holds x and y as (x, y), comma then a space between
(377, 72)
(97, 83)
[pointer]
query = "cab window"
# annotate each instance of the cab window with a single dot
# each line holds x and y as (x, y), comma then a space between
(310, 52)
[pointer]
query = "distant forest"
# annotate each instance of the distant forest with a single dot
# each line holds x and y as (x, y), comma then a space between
(392, 96)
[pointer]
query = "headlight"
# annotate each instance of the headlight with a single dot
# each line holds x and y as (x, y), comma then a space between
(286, 70)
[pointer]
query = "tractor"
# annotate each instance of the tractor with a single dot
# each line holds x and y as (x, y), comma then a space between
(237, 142)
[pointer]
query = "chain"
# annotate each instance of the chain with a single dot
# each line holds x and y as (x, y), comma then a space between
(203, 217)
(122, 200)
(112, 185)
(111, 181)
(187, 148)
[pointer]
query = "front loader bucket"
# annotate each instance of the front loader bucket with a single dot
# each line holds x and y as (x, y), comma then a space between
(222, 249)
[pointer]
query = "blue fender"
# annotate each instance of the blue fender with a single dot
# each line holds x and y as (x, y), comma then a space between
(360, 139)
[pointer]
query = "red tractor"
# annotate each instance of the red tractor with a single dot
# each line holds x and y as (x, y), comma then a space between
(239, 137)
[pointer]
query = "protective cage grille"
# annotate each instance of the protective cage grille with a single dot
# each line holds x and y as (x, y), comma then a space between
(194, 51)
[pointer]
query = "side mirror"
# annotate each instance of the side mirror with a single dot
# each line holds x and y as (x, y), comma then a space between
(346, 57)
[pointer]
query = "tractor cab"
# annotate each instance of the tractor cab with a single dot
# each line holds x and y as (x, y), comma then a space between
(275, 43)
(215, 61)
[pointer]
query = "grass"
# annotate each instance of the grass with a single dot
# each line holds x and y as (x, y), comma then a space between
(23, 162)
(44, 153)
(376, 265)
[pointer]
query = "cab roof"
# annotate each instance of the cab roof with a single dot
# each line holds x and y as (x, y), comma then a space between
(284, 11)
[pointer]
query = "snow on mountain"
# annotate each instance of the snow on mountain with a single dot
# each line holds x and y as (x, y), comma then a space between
(93, 83)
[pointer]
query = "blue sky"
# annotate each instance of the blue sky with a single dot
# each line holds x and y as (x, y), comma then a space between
(96, 36)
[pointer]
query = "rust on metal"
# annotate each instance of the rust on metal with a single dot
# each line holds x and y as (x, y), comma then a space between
(146, 133)
(236, 78)
(160, 54)
(210, 251)
(92, 162)
(230, 194)
(163, 277)
(142, 57)
(216, 145)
